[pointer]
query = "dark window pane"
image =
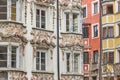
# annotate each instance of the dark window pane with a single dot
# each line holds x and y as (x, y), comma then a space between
(85, 57)
(67, 22)
(95, 56)
(85, 32)
(95, 30)
(3, 63)
(3, 16)
(84, 12)
(95, 8)
(68, 62)
(3, 56)
(3, 2)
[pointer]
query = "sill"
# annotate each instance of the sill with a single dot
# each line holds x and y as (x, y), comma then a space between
(10, 69)
(36, 28)
(108, 14)
(95, 37)
(42, 72)
(108, 38)
(107, 64)
(11, 21)
(71, 74)
(76, 33)
(95, 63)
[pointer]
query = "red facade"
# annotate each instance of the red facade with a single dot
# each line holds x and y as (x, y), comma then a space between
(92, 42)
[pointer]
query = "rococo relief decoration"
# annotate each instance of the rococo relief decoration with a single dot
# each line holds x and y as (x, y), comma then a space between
(12, 32)
(42, 39)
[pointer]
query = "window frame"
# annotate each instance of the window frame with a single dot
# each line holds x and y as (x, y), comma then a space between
(39, 63)
(18, 12)
(94, 8)
(40, 17)
(106, 9)
(95, 57)
(85, 32)
(108, 33)
(85, 6)
(93, 25)
(9, 54)
(84, 58)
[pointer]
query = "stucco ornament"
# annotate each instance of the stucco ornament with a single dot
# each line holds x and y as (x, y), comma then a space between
(42, 39)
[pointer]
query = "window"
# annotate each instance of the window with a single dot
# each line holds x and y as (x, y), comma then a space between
(118, 6)
(104, 32)
(40, 18)
(67, 22)
(119, 55)
(11, 52)
(108, 9)
(119, 29)
(108, 57)
(41, 61)
(75, 22)
(85, 32)
(76, 59)
(13, 9)
(95, 56)
(84, 12)
(108, 32)
(95, 7)
(85, 57)
(3, 9)
(72, 62)
(94, 78)
(12, 12)
(74, 26)
(95, 30)
(68, 62)
(86, 78)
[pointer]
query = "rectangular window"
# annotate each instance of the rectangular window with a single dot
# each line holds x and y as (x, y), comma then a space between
(68, 62)
(95, 30)
(40, 61)
(111, 57)
(76, 59)
(40, 18)
(95, 7)
(105, 58)
(108, 9)
(85, 32)
(104, 32)
(86, 78)
(84, 12)
(67, 22)
(3, 9)
(13, 9)
(3, 56)
(118, 6)
(110, 32)
(95, 56)
(119, 29)
(75, 22)
(13, 56)
(85, 57)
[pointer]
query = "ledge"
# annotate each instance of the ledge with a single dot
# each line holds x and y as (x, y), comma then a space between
(10, 69)
(42, 72)
(71, 74)
(76, 33)
(42, 29)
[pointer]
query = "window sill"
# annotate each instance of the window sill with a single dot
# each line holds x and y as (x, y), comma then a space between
(10, 69)
(71, 74)
(108, 38)
(108, 14)
(43, 72)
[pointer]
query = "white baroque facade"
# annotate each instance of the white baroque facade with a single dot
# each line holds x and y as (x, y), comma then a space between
(28, 40)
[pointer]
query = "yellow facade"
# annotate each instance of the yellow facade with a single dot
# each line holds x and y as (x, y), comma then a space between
(111, 44)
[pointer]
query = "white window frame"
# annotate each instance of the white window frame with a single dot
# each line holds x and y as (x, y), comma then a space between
(18, 11)
(44, 9)
(72, 61)
(93, 2)
(85, 6)
(71, 21)
(93, 30)
(116, 6)
(45, 51)
(18, 55)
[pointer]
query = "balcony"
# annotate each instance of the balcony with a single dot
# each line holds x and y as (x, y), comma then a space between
(116, 68)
